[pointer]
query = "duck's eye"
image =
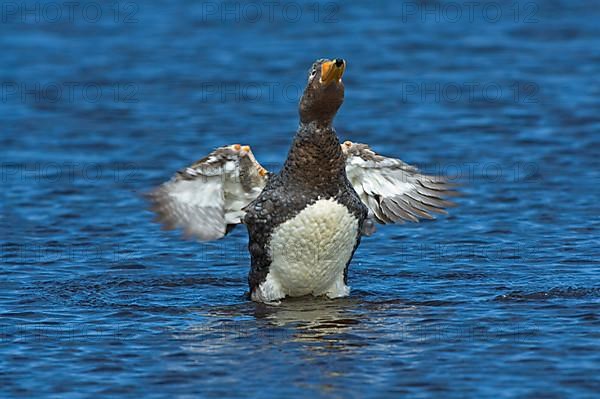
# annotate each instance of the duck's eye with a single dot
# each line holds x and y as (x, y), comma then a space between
(312, 75)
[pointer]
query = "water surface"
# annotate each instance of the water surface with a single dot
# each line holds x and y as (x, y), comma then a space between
(499, 298)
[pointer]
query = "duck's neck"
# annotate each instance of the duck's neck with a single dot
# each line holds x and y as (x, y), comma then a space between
(315, 158)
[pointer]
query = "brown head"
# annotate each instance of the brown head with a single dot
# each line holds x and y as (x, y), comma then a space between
(324, 92)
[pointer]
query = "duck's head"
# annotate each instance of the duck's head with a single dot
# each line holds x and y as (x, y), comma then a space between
(324, 92)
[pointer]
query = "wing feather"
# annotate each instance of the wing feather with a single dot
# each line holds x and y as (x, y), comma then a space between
(394, 191)
(207, 198)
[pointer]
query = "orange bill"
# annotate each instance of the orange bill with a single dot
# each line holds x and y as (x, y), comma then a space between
(332, 72)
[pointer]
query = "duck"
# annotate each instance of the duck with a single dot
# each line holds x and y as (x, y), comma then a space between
(305, 221)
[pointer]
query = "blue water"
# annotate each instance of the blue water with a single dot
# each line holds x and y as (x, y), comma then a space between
(501, 298)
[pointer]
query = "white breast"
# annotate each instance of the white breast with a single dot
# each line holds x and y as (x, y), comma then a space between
(309, 253)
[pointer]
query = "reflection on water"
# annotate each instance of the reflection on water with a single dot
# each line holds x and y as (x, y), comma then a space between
(329, 323)
(318, 326)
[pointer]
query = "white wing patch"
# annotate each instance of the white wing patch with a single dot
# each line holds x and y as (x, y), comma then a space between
(394, 191)
(207, 197)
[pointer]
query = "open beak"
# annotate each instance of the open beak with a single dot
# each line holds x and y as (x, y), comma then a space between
(332, 71)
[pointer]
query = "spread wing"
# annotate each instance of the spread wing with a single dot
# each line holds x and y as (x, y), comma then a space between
(394, 191)
(206, 199)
